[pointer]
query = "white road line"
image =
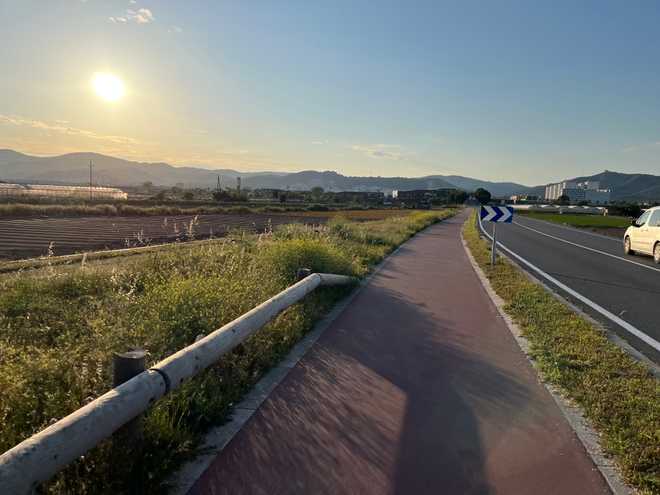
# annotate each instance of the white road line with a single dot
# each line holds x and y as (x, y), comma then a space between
(589, 249)
(610, 316)
(574, 229)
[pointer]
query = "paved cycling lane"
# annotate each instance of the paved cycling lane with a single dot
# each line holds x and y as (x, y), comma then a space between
(596, 267)
(417, 387)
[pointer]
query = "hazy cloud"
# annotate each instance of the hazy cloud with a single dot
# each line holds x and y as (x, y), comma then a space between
(382, 151)
(638, 147)
(139, 16)
(60, 128)
(175, 29)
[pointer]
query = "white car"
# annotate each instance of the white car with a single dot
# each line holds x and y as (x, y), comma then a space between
(643, 236)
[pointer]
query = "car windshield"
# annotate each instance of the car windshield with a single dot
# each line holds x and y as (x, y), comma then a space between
(642, 220)
(655, 219)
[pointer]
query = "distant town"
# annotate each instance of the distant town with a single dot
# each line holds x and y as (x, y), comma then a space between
(566, 193)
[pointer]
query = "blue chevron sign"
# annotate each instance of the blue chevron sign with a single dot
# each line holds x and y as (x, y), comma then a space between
(500, 214)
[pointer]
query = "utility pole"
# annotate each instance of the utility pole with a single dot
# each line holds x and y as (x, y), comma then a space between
(91, 192)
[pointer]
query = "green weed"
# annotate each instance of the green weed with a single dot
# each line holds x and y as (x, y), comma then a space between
(619, 395)
(60, 326)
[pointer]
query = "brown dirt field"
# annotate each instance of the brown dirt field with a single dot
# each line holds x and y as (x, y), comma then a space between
(31, 237)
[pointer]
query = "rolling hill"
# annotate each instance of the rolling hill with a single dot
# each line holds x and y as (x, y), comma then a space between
(632, 187)
(73, 168)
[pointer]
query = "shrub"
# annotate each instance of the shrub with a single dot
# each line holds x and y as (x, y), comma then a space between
(318, 208)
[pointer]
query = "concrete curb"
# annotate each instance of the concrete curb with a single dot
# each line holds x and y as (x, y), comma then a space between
(218, 438)
(573, 414)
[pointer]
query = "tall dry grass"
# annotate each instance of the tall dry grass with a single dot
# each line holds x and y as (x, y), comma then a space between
(59, 328)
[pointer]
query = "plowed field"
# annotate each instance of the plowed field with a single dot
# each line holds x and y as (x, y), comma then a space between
(32, 237)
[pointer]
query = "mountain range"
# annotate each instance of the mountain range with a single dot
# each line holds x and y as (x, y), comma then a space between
(73, 168)
(632, 187)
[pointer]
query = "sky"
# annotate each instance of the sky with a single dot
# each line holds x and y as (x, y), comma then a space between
(531, 92)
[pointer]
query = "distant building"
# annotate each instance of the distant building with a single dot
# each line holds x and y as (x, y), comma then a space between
(591, 185)
(358, 197)
(523, 198)
(576, 192)
(61, 192)
(422, 197)
(267, 193)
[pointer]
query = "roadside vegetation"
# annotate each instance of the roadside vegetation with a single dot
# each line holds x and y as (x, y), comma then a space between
(9, 210)
(581, 220)
(358, 215)
(59, 328)
(620, 396)
(30, 252)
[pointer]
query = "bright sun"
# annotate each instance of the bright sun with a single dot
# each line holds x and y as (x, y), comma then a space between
(108, 86)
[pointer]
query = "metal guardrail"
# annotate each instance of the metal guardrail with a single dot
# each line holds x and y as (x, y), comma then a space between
(41, 456)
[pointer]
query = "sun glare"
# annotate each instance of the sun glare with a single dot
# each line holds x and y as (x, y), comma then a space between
(108, 86)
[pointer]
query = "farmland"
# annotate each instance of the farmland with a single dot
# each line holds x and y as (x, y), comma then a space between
(59, 328)
(33, 237)
(25, 238)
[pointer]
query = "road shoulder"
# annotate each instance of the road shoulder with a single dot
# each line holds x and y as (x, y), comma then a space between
(617, 394)
(573, 414)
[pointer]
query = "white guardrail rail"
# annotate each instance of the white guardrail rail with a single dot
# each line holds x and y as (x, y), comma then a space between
(41, 456)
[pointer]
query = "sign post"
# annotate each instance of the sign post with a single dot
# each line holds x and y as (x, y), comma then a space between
(493, 248)
(495, 214)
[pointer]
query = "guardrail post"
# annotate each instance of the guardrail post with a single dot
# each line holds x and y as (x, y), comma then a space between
(126, 365)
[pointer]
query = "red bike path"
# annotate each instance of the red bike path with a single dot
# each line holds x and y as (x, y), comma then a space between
(416, 387)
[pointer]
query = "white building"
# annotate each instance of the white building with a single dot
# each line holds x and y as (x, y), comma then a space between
(20, 191)
(588, 191)
(555, 191)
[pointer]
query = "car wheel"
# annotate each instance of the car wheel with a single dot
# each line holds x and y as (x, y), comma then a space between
(656, 253)
(626, 246)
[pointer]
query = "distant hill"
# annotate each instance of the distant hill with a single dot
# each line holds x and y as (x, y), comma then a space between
(332, 181)
(627, 186)
(498, 189)
(73, 168)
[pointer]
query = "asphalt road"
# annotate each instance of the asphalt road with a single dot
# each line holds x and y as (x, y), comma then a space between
(596, 267)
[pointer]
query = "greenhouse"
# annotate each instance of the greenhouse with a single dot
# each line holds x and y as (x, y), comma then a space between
(50, 191)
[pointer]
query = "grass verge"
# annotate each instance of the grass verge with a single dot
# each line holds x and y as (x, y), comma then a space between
(581, 220)
(620, 396)
(10, 210)
(59, 328)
